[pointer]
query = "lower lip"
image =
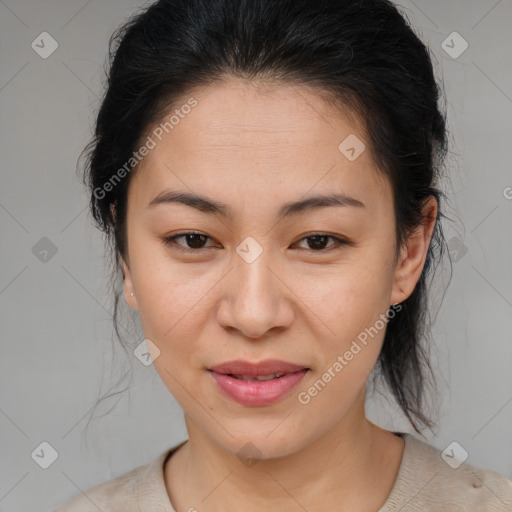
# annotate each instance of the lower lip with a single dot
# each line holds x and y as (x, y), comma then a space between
(258, 393)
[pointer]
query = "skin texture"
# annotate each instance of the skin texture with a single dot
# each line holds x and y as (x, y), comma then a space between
(254, 149)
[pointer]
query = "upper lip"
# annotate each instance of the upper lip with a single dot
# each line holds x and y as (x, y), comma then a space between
(266, 367)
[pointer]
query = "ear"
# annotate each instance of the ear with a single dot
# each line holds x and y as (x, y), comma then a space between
(127, 276)
(128, 290)
(413, 254)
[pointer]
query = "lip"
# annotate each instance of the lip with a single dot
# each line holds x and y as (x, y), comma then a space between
(257, 393)
(266, 367)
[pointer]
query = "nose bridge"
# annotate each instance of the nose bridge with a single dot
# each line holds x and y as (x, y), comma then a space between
(255, 280)
(255, 288)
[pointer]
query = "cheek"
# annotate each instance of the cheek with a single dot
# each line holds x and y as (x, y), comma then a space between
(170, 296)
(348, 299)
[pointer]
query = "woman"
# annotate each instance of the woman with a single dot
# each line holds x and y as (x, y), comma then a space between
(268, 175)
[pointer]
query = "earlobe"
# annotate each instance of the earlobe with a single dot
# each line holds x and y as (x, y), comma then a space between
(413, 254)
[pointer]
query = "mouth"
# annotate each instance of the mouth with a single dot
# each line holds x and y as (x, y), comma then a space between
(257, 384)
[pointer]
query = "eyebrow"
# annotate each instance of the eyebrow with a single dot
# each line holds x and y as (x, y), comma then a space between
(206, 205)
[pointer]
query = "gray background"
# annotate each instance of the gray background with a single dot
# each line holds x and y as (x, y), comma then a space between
(55, 315)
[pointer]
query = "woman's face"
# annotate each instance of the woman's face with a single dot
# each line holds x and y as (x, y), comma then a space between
(264, 283)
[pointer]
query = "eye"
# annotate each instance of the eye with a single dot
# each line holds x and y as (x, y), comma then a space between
(317, 242)
(194, 240)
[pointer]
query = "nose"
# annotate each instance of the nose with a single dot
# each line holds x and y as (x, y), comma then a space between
(255, 299)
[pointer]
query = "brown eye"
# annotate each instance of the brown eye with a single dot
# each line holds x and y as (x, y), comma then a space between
(318, 242)
(194, 241)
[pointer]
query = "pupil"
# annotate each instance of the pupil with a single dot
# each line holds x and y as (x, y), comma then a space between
(315, 244)
(191, 241)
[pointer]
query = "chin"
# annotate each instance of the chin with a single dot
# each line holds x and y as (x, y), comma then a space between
(265, 443)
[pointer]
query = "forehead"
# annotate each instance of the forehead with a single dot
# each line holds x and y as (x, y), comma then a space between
(242, 141)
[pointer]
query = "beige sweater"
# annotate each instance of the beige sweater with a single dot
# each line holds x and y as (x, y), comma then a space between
(425, 482)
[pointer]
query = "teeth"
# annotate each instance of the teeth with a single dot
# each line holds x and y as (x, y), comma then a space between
(259, 377)
(269, 377)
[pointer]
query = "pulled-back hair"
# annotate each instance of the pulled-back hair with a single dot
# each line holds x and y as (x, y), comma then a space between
(362, 54)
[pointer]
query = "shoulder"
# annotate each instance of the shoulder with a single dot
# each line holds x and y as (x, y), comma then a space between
(132, 491)
(428, 478)
(117, 494)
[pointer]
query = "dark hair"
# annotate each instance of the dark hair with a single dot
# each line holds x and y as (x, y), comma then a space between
(361, 54)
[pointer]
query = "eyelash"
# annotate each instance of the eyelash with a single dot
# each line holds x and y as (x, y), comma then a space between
(171, 242)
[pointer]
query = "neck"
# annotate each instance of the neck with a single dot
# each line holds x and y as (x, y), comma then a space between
(342, 470)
